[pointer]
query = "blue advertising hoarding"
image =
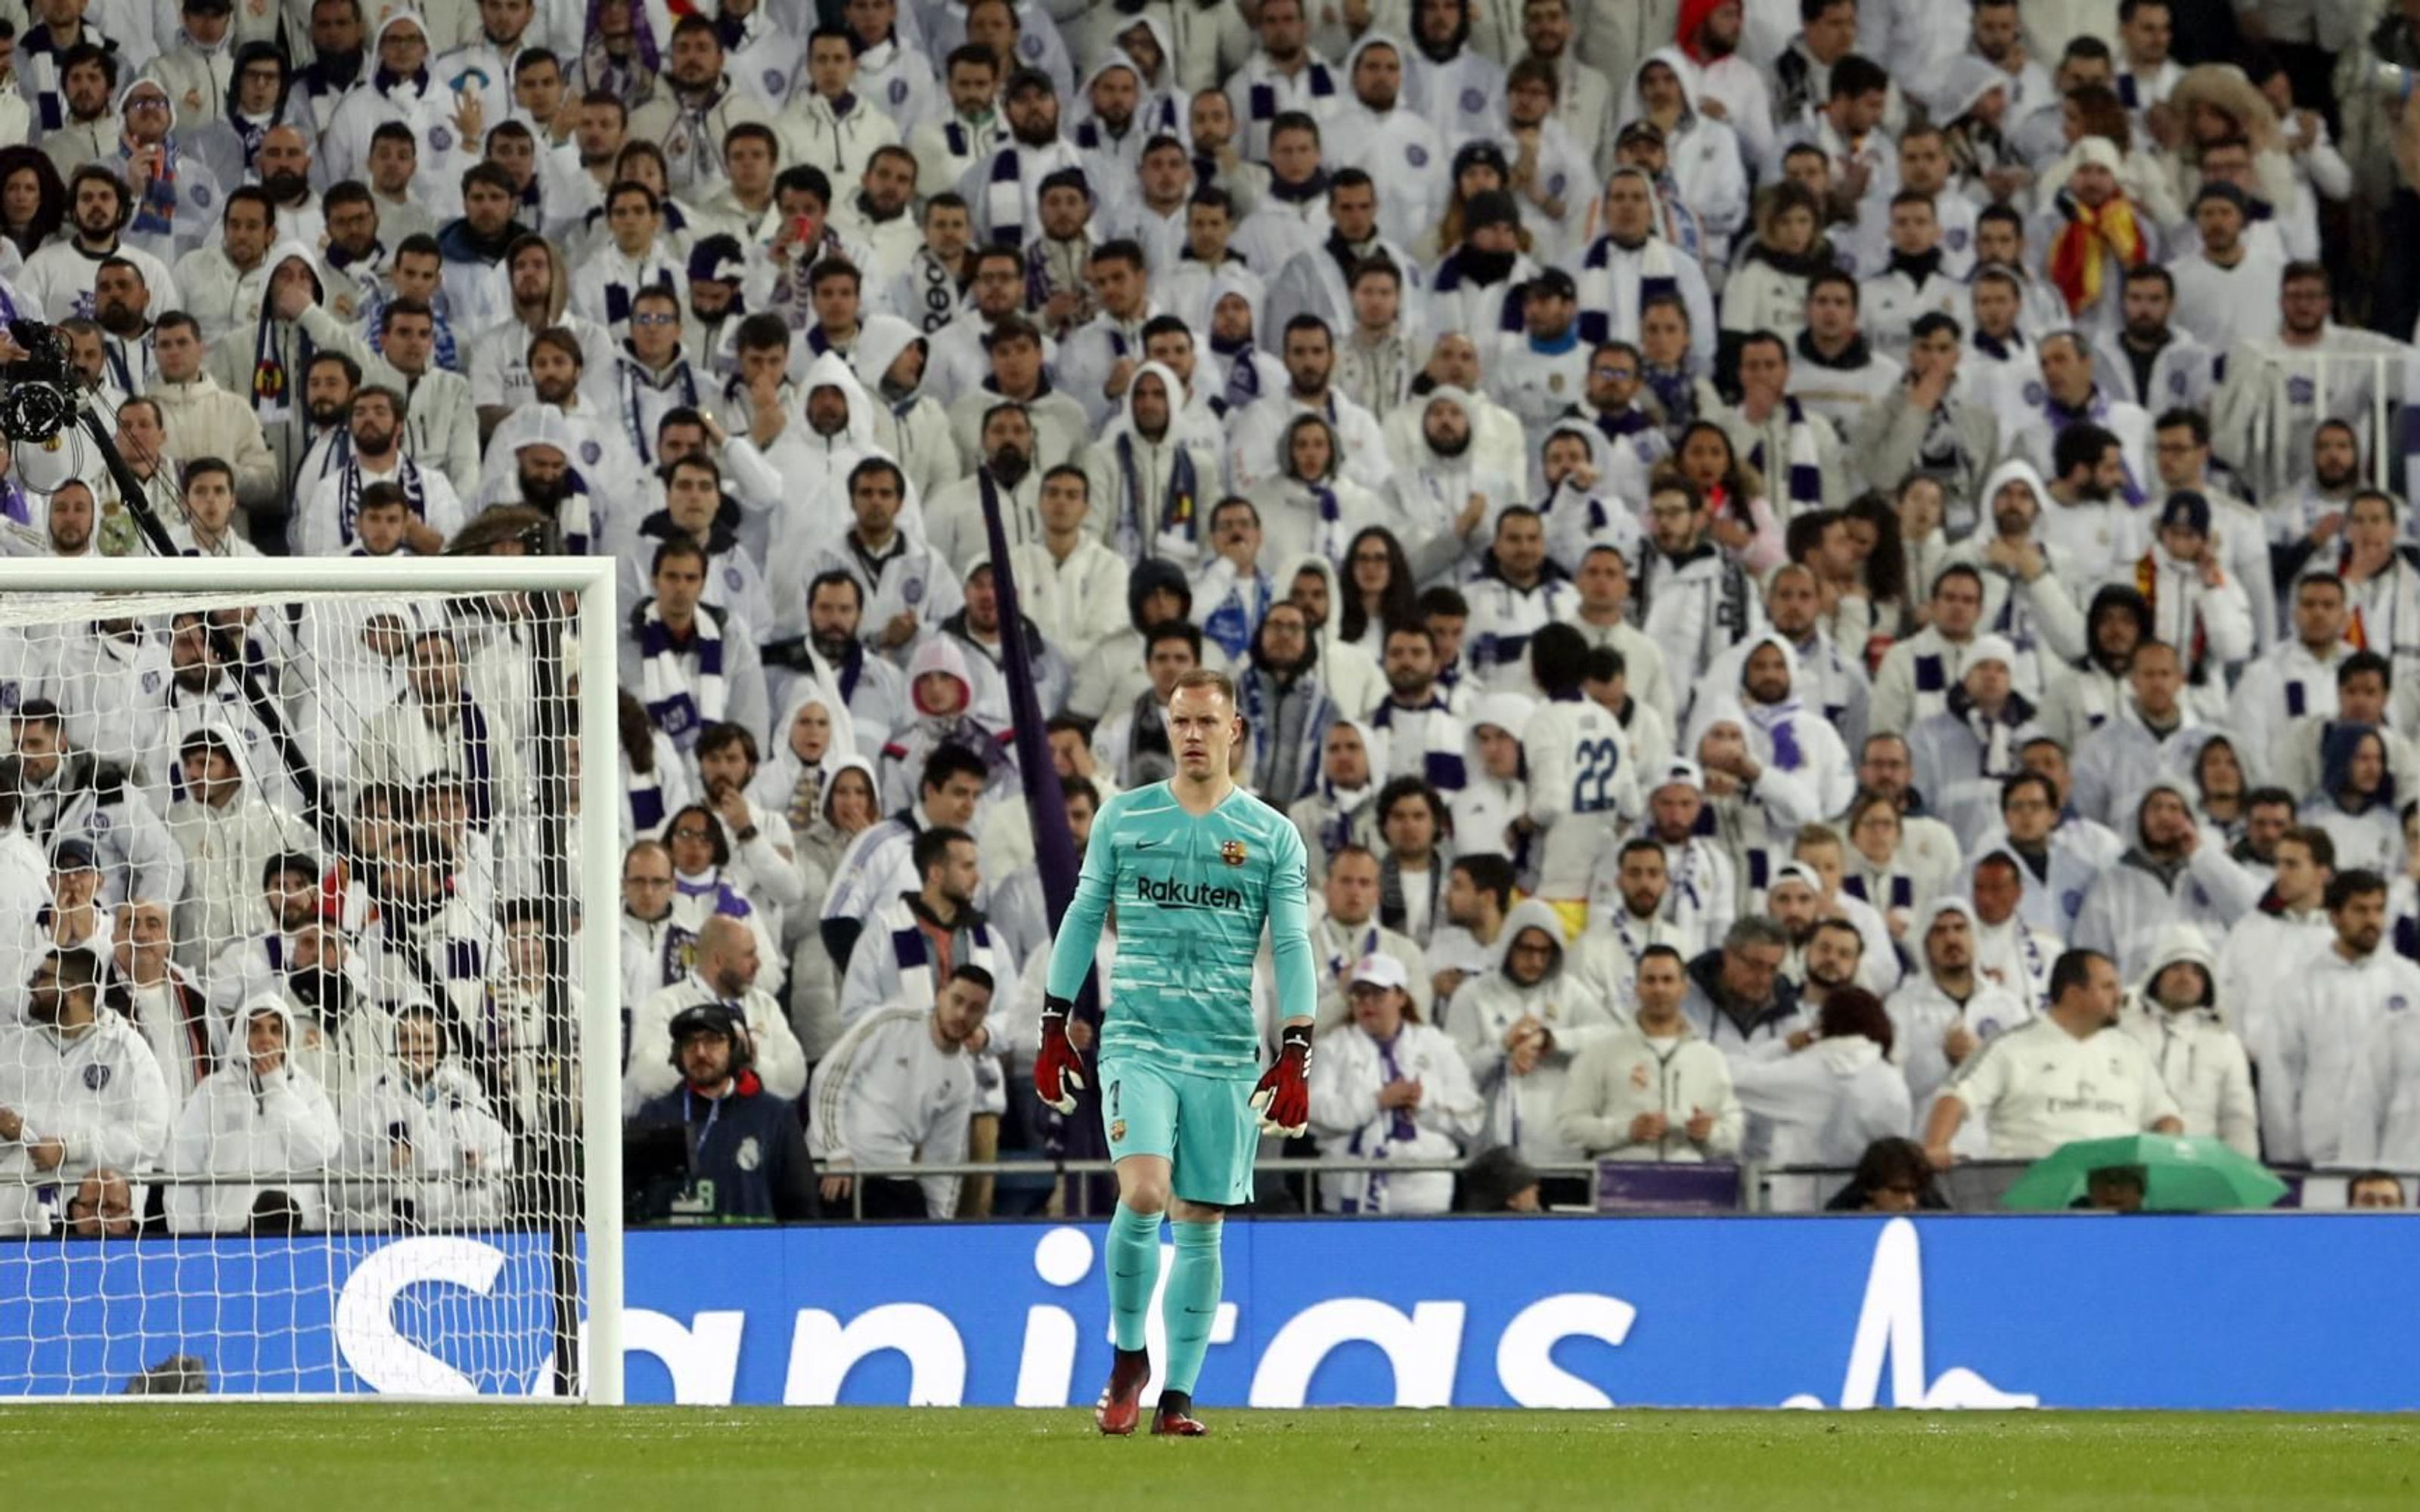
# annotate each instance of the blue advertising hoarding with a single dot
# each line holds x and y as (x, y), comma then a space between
(2169, 1312)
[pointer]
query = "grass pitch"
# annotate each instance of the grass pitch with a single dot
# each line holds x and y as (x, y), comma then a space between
(356, 1458)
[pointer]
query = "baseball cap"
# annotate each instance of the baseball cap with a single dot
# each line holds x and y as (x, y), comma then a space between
(1379, 970)
(77, 856)
(1682, 772)
(1554, 283)
(1798, 871)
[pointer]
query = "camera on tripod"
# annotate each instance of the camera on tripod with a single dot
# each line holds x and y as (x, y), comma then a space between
(38, 390)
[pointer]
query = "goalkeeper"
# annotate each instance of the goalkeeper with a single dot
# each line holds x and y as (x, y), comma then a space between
(1195, 867)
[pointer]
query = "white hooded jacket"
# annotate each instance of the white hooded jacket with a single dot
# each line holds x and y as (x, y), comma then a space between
(244, 1124)
(1521, 1110)
(2199, 1059)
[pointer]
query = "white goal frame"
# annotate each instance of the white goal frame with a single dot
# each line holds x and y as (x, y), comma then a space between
(595, 960)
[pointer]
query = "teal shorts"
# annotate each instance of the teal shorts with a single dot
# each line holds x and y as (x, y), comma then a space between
(1203, 1126)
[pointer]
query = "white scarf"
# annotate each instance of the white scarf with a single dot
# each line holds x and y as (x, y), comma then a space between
(677, 708)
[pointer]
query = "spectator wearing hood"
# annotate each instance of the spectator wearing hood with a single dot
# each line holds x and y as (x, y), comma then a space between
(1388, 1086)
(2167, 874)
(399, 88)
(1342, 810)
(176, 197)
(982, 637)
(2010, 951)
(1479, 287)
(1130, 740)
(79, 1091)
(2296, 751)
(1112, 675)
(1737, 998)
(426, 1127)
(1704, 154)
(227, 830)
(1941, 1014)
(1286, 705)
(2082, 699)
(1963, 754)
(1832, 679)
(1776, 762)
(2355, 800)
(1491, 807)
(1387, 137)
(908, 586)
(1519, 1028)
(2058, 1079)
(1154, 472)
(943, 696)
(2174, 1011)
(257, 1115)
(909, 423)
(1630, 264)
(2320, 1039)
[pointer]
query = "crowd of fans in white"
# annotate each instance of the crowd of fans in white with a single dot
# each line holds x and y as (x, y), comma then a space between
(1811, 571)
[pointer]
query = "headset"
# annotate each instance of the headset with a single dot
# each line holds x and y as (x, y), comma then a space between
(717, 1018)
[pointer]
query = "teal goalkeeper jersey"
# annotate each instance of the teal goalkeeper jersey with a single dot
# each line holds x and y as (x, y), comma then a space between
(1192, 896)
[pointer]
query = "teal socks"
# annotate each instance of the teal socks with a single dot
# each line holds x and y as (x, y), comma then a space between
(1134, 1272)
(1192, 1304)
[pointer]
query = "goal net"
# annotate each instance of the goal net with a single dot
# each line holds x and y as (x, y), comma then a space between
(294, 983)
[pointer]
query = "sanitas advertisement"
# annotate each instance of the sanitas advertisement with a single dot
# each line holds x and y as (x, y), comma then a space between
(1978, 1312)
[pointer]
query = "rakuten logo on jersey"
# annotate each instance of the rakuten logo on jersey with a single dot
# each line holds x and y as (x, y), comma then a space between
(1186, 894)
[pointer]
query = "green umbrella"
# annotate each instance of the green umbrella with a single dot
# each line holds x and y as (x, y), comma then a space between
(2181, 1175)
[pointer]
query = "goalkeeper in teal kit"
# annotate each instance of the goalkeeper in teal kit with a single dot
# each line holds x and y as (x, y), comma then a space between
(1195, 868)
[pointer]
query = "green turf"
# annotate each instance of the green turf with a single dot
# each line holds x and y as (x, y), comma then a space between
(355, 1458)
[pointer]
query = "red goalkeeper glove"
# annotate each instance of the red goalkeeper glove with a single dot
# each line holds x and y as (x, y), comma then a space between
(1284, 1098)
(1059, 1070)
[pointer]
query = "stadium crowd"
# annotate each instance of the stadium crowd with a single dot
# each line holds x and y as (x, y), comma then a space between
(1812, 572)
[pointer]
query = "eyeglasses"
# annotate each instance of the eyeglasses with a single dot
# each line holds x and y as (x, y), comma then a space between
(689, 832)
(1620, 375)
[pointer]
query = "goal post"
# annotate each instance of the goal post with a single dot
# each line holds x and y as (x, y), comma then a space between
(310, 1017)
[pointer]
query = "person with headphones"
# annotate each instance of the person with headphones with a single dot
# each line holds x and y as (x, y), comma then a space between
(747, 1155)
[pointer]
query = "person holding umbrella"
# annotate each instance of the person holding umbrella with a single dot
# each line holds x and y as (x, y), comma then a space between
(2059, 1078)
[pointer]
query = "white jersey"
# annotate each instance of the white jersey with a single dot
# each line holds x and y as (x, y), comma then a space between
(2038, 1087)
(1582, 785)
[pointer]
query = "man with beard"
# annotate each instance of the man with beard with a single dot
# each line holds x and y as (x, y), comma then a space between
(689, 119)
(651, 375)
(175, 192)
(2307, 520)
(1003, 188)
(1944, 1014)
(59, 279)
(119, 302)
(2147, 360)
(284, 167)
(719, 1087)
(477, 288)
(2319, 1037)
(879, 215)
(873, 688)
(1007, 480)
(1695, 601)
(2056, 1079)
(326, 524)
(484, 65)
(202, 419)
(1626, 917)
(950, 145)
(1583, 99)
(1831, 679)
(1309, 362)
(86, 130)
(79, 1092)
(500, 357)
